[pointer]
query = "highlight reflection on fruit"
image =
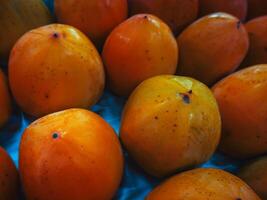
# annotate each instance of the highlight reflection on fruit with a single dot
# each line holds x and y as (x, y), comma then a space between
(53, 68)
(170, 123)
(70, 155)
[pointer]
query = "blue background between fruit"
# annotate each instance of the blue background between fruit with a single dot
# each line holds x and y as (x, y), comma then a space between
(135, 184)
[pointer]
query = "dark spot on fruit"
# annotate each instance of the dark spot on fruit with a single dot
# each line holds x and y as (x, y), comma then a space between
(186, 98)
(156, 117)
(55, 135)
(55, 35)
(47, 96)
(238, 199)
(238, 24)
(190, 92)
(145, 17)
(174, 125)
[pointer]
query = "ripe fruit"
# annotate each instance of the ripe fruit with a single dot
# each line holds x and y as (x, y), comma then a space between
(203, 184)
(9, 179)
(257, 31)
(170, 123)
(212, 47)
(72, 154)
(139, 48)
(176, 13)
(5, 104)
(18, 17)
(255, 175)
(243, 107)
(53, 68)
(238, 8)
(96, 18)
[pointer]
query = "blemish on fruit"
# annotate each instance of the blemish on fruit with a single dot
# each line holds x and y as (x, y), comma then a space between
(186, 98)
(238, 24)
(55, 135)
(55, 35)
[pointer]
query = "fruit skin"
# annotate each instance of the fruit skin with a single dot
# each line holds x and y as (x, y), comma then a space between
(53, 68)
(255, 175)
(176, 13)
(212, 47)
(256, 8)
(243, 107)
(238, 8)
(72, 154)
(139, 48)
(5, 101)
(9, 177)
(170, 123)
(96, 18)
(257, 31)
(18, 17)
(203, 184)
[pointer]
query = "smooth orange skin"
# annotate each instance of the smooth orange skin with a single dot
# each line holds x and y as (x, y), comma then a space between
(84, 162)
(5, 101)
(243, 107)
(212, 47)
(16, 18)
(96, 18)
(176, 13)
(256, 8)
(9, 177)
(49, 73)
(238, 8)
(255, 175)
(163, 132)
(257, 31)
(139, 48)
(203, 184)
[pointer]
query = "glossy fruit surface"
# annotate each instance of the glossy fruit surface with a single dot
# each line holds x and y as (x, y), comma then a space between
(18, 17)
(9, 178)
(53, 68)
(212, 47)
(96, 18)
(5, 104)
(72, 154)
(170, 123)
(139, 48)
(176, 13)
(243, 107)
(203, 184)
(238, 8)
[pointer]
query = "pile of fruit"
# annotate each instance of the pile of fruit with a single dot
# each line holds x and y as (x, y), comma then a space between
(194, 77)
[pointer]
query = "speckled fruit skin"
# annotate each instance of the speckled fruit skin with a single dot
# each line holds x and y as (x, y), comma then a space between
(9, 177)
(176, 13)
(212, 47)
(257, 31)
(170, 123)
(255, 175)
(256, 8)
(203, 184)
(72, 154)
(5, 104)
(243, 107)
(238, 8)
(139, 48)
(18, 17)
(53, 68)
(96, 18)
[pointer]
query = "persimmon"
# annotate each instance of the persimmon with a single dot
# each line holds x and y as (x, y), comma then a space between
(243, 107)
(96, 18)
(53, 68)
(5, 101)
(212, 47)
(9, 177)
(170, 123)
(141, 47)
(238, 8)
(72, 154)
(203, 184)
(176, 13)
